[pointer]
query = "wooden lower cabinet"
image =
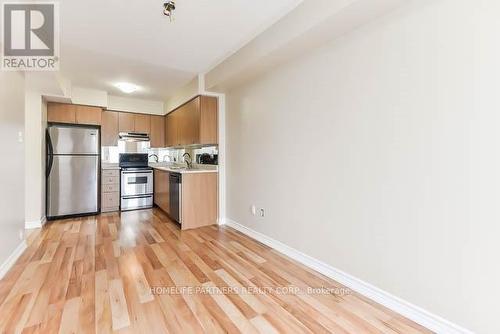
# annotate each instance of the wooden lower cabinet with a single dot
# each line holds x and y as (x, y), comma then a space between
(110, 190)
(199, 200)
(162, 190)
(199, 197)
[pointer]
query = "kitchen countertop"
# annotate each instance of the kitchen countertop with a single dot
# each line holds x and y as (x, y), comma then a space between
(186, 171)
(196, 170)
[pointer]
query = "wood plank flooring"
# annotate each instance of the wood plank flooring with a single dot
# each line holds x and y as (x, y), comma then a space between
(136, 272)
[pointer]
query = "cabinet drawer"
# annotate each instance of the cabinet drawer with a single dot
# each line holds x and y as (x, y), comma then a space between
(110, 180)
(110, 188)
(110, 200)
(110, 173)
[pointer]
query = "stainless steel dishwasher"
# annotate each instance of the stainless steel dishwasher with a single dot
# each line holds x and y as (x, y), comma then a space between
(176, 197)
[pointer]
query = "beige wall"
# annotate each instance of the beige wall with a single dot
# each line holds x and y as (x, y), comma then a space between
(379, 155)
(12, 166)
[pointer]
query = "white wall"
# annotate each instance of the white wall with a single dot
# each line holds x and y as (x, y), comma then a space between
(35, 125)
(87, 96)
(12, 167)
(119, 103)
(379, 155)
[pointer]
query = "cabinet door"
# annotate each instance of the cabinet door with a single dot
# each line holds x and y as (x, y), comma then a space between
(209, 120)
(157, 131)
(199, 200)
(88, 115)
(162, 190)
(166, 131)
(179, 121)
(61, 113)
(109, 128)
(142, 123)
(190, 124)
(172, 130)
(126, 122)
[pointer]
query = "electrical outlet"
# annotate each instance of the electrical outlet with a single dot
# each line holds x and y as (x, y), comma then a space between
(20, 137)
(253, 210)
(262, 213)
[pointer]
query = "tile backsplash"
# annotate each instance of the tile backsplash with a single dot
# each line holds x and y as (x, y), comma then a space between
(110, 154)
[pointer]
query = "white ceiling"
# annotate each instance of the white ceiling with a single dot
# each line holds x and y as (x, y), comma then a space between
(104, 42)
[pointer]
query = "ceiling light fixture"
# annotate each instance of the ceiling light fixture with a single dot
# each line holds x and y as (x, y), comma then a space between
(168, 9)
(126, 87)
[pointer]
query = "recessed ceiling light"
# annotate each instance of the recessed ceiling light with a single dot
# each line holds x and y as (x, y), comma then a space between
(126, 87)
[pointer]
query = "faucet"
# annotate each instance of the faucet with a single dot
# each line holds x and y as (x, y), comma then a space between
(154, 155)
(188, 160)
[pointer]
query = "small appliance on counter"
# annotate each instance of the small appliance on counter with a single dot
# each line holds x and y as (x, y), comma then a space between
(136, 182)
(207, 159)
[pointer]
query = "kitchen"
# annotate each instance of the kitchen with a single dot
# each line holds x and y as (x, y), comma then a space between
(157, 178)
(134, 161)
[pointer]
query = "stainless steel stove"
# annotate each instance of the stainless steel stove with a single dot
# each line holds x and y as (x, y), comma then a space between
(136, 182)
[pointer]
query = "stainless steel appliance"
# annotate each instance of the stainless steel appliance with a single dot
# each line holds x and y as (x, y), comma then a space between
(176, 196)
(73, 162)
(134, 136)
(136, 182)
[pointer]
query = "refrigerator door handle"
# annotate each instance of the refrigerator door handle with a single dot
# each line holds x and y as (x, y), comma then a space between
(50, 154)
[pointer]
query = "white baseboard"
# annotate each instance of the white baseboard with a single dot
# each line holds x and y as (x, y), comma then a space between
(4, 267)
(35, 224)
(396, 304)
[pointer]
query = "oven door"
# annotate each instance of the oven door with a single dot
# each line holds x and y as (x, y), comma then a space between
(134, 183)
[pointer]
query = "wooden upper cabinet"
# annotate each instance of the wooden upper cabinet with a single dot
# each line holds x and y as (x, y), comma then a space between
(126, 122)
(109, 128)
(142, 123)
(172, 128)
(209, 121)
(190, 124)
(61, 113)
(88, 115)
(157, 131)
(195, 122)
(73, 114)
(129, 122)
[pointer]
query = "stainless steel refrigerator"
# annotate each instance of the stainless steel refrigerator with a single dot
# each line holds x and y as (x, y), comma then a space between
(73, 162)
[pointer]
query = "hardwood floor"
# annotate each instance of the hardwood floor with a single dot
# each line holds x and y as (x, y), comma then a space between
(138, 273)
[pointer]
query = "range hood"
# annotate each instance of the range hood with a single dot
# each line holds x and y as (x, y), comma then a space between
(134, 136)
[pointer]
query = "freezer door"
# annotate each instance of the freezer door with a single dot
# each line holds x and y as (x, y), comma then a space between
(74, 140)
(72, 186)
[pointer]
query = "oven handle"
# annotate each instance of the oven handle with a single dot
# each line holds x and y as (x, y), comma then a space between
(137, 196)
(138, 173)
